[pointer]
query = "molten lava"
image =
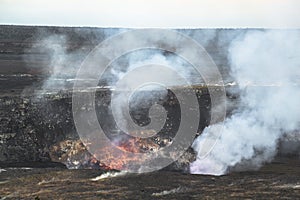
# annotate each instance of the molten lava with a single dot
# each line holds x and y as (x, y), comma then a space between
(129, 151)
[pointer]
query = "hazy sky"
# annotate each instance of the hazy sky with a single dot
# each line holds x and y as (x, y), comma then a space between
(153, 13)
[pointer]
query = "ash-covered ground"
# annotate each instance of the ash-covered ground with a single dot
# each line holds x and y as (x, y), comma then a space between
(38, 139)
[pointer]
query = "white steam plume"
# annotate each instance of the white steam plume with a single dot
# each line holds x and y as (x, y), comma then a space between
(58, 56)
(55, 61)
(266, 66)
(144, 57)
(151, 92)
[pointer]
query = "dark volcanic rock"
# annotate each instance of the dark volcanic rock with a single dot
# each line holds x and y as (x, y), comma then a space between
(28, 127)
(31, 127)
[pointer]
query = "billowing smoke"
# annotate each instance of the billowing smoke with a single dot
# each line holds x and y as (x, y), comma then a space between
(150, 93)
(57, 55)
(266, 67)
(57, 63)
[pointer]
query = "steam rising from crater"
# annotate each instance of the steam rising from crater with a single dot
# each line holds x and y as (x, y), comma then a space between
(266, 67)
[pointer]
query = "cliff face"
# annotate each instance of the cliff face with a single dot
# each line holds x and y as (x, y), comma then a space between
(42, 129)
(29, 127)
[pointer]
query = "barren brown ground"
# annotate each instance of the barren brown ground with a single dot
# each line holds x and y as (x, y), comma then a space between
(278, 180)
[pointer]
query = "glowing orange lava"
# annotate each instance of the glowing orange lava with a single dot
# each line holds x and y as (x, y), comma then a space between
(127, 152)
